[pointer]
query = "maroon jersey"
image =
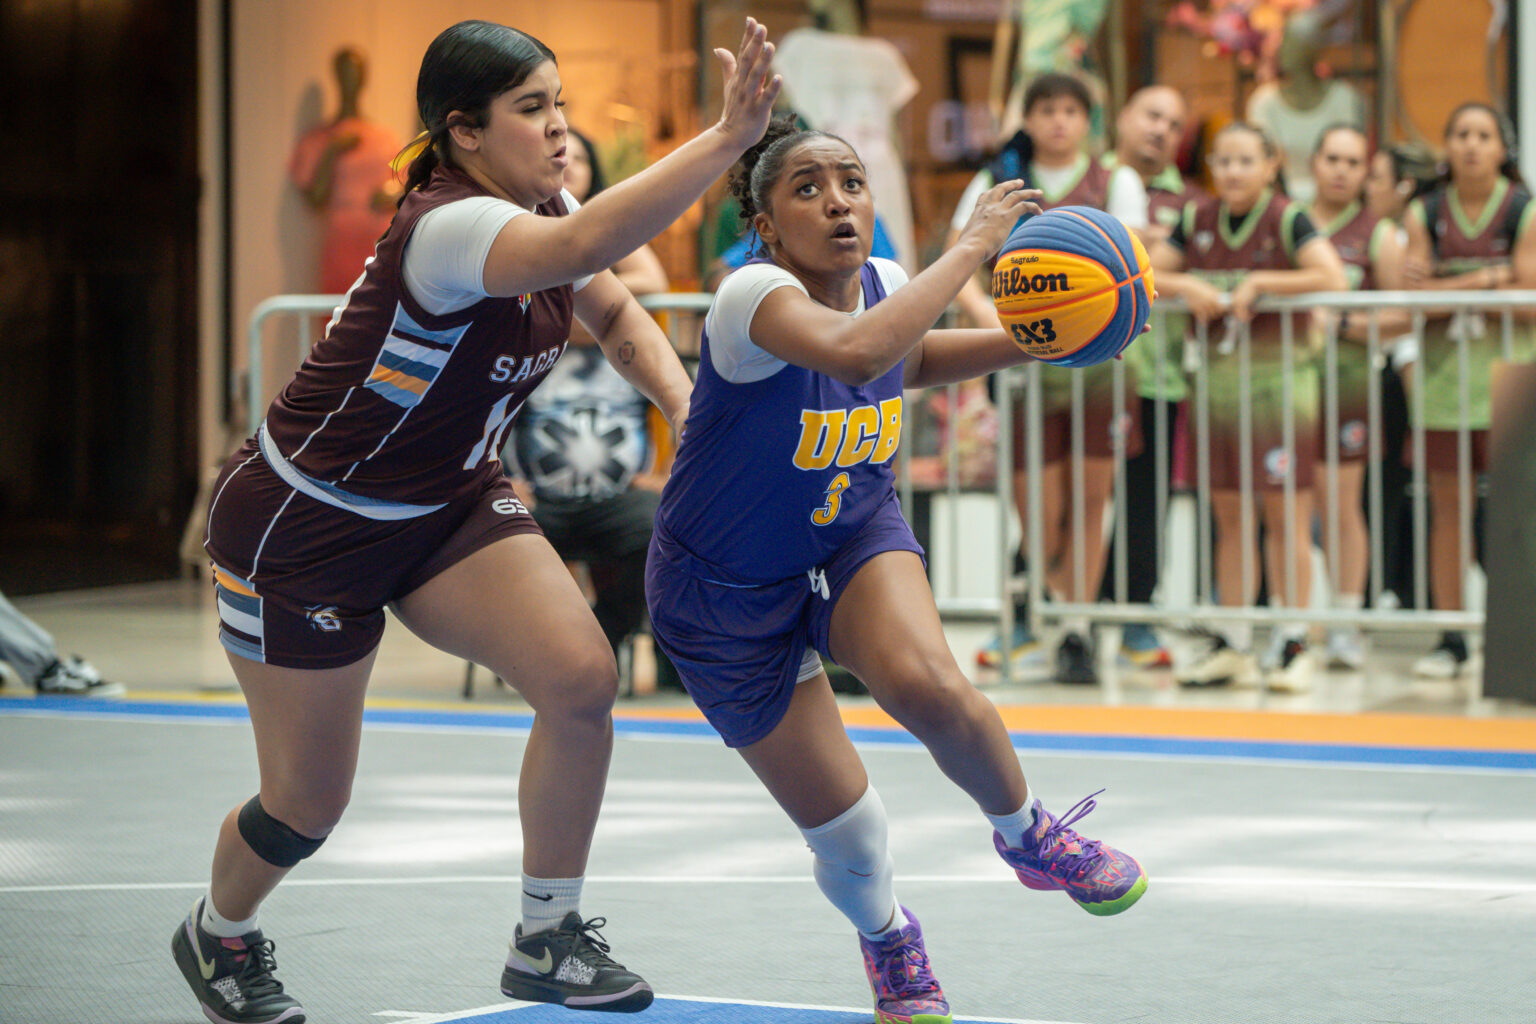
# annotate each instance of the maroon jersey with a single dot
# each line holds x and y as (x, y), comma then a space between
(1460, 245)
(398, 411)
(1167, 195)
(1092, 189)
(1223, 254)
(1353, 234)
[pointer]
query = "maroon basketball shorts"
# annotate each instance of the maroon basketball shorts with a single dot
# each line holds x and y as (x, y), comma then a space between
(303, 584)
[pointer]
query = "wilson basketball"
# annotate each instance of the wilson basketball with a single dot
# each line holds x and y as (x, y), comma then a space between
(1073, 286)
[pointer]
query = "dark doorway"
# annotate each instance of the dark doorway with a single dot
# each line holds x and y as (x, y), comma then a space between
(98, 290)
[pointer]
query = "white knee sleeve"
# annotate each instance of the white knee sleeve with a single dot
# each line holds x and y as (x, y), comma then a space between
(853, 866)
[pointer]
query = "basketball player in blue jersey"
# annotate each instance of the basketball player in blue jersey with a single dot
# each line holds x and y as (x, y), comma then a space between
(375, 480)
(779, 540)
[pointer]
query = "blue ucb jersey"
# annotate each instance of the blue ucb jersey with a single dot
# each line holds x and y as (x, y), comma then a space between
(775, 475)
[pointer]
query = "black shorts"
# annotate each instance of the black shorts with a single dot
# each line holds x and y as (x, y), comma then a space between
(303, 584)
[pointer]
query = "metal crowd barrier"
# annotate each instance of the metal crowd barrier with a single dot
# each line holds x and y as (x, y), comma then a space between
(1026, 378)
(680, 313)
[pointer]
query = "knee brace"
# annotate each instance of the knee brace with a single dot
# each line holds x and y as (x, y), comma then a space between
(853, 868)
(272, 841)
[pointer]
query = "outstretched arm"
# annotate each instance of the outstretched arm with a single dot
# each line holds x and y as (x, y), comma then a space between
(946, 357)
(789, 325)
(621, 219)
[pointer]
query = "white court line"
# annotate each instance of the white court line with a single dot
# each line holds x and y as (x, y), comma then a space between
(1190, 881)
(515, 1005)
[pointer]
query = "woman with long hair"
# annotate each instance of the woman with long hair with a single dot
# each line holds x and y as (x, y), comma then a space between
(375, 481)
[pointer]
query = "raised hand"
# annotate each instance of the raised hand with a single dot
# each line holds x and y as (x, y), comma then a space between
(750, 90)
(997, 211)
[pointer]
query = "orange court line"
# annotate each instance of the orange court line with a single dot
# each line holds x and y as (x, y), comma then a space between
(1361, 728)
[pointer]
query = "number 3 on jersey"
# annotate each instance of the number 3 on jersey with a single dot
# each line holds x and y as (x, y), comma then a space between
(828, 512)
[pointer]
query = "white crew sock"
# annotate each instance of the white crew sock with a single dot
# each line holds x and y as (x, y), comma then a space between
(854, 869)
(1013, 827)
(546, 901)
(1349, 602)
(219, 926)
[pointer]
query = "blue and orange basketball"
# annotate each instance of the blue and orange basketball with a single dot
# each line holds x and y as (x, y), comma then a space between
(1073, 286)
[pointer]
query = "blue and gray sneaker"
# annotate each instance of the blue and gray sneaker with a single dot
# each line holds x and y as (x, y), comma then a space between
(1140, 647)
(1028, 656)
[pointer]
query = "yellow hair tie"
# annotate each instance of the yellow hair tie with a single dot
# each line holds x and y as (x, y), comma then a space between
(412, 150)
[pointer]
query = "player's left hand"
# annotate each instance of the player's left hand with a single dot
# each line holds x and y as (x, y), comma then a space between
(750, 87)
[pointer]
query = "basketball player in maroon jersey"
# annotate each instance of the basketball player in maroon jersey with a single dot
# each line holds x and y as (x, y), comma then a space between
(375, 480)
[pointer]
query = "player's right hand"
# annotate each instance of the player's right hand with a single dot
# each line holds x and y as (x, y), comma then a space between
(997, 211)
(750, 89)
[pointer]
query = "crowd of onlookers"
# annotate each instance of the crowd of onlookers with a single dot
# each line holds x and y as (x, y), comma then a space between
(1387, 219)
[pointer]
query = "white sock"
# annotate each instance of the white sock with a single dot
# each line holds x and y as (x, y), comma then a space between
(1013, 827)
(546, 901)
(854, 869)
(216, 924)
(1349, 602)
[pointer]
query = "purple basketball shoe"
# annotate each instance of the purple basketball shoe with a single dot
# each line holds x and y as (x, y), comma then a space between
(1098, 878)
(903, 982)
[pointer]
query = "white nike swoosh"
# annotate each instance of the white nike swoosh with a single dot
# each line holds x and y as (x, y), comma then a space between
(541, 966)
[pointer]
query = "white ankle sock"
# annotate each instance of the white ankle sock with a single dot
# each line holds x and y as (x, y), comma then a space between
(1013, 827)
(898, 921)
(216, 924)
(1349, 602)
(546, 901)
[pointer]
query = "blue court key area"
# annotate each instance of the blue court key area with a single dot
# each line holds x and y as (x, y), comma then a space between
(690, 1011)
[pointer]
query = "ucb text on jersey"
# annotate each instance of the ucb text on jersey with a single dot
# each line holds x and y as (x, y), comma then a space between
(847, 437)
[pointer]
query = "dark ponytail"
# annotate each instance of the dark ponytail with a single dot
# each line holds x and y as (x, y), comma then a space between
(466, 67)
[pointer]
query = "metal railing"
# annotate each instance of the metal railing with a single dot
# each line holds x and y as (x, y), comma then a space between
(681, 314)
(1203, 608)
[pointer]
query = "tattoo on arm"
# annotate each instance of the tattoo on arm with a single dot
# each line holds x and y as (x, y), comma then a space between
(627, 352)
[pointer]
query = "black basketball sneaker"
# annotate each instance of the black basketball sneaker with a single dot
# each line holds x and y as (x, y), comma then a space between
(232, 978)
(570, 966)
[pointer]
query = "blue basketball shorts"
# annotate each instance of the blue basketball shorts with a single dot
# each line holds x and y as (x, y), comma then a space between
(740, 650)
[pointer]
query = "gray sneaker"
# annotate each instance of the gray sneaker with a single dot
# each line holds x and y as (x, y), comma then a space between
(75, 677)
(570, 966)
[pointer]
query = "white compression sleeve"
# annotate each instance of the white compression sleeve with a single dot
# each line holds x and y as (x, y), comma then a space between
(854, 868)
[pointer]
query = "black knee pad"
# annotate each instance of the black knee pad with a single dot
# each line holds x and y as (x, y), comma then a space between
(273, 842)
